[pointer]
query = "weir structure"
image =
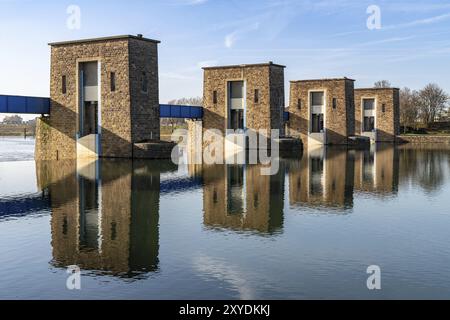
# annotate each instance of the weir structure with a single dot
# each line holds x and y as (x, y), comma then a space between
(104, 98)
(104, 102)
(378, 113)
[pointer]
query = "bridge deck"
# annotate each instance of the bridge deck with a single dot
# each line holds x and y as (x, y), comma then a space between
(24, 105)
(36, 105)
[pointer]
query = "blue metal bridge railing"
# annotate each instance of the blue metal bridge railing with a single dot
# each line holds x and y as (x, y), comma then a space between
(36, 105)
(180, 112)
(24, 105)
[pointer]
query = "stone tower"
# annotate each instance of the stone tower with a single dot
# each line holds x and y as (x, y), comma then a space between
(244, 97)
(104, 98)
(322, 111)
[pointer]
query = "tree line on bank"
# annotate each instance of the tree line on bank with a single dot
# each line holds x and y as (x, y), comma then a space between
(14, 125)
(422, 109)
(419, 109)
(172, 122)
(16, 120)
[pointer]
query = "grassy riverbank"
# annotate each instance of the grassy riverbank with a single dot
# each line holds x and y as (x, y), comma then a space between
(9, 130)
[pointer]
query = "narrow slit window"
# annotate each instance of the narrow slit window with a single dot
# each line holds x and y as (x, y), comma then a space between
(144, 82)
(299, 104)
(64, 85)
(256, 96)
(383, 108)
(215, 97)
(334, 103)
(113, 81)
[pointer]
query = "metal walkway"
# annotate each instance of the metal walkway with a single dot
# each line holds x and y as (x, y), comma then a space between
(39, 203)
(24, 105)
(180, 112)
(36, 105)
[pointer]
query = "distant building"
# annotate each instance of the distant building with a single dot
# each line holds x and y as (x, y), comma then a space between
(244, 97)
(378, 113)
(322, 111)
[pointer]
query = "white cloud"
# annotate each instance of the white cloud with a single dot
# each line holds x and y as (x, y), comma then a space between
(411, 24)
(207, 63)
(226, 272)
(192, 2)
(231, 38)
(417, 7)
(426, 21)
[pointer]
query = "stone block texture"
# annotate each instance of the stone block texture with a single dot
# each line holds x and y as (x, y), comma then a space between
(267, 113)
(339, 122)
(128, 115)
(387, 120)
(425, 140)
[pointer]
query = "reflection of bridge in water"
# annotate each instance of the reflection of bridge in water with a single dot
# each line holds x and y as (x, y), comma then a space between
(105, 214)
(29, 204)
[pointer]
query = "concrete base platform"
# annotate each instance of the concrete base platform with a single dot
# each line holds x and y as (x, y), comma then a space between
(290, 147)
(153, 150)
(359, 142)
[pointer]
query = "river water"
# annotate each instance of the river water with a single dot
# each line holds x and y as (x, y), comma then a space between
(152, 230)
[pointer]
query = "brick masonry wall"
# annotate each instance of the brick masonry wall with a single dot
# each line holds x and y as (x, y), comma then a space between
(144, 105)
(126, 116)
(277, 97)
(350, 103)
(266, 114)
(339, 122)
(388, 122)
(427, 140)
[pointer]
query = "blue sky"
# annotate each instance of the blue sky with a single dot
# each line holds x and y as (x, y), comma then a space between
(313, 38)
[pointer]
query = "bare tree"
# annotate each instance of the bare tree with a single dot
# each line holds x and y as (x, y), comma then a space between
(382, 84)
(195, 101)
(15, 119)
(409, 108)
(432, 102)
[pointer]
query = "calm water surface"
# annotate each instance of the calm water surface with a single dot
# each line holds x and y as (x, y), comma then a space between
(151, 230)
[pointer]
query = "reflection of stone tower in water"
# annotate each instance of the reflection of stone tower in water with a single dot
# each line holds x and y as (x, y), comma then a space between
(240, 198)
(322, 178)
(107, 218)
(377, 170)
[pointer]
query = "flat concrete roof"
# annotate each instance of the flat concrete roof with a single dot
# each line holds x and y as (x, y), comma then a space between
(122, 37)
(325, 79)
(267, 64)
(368, 89)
